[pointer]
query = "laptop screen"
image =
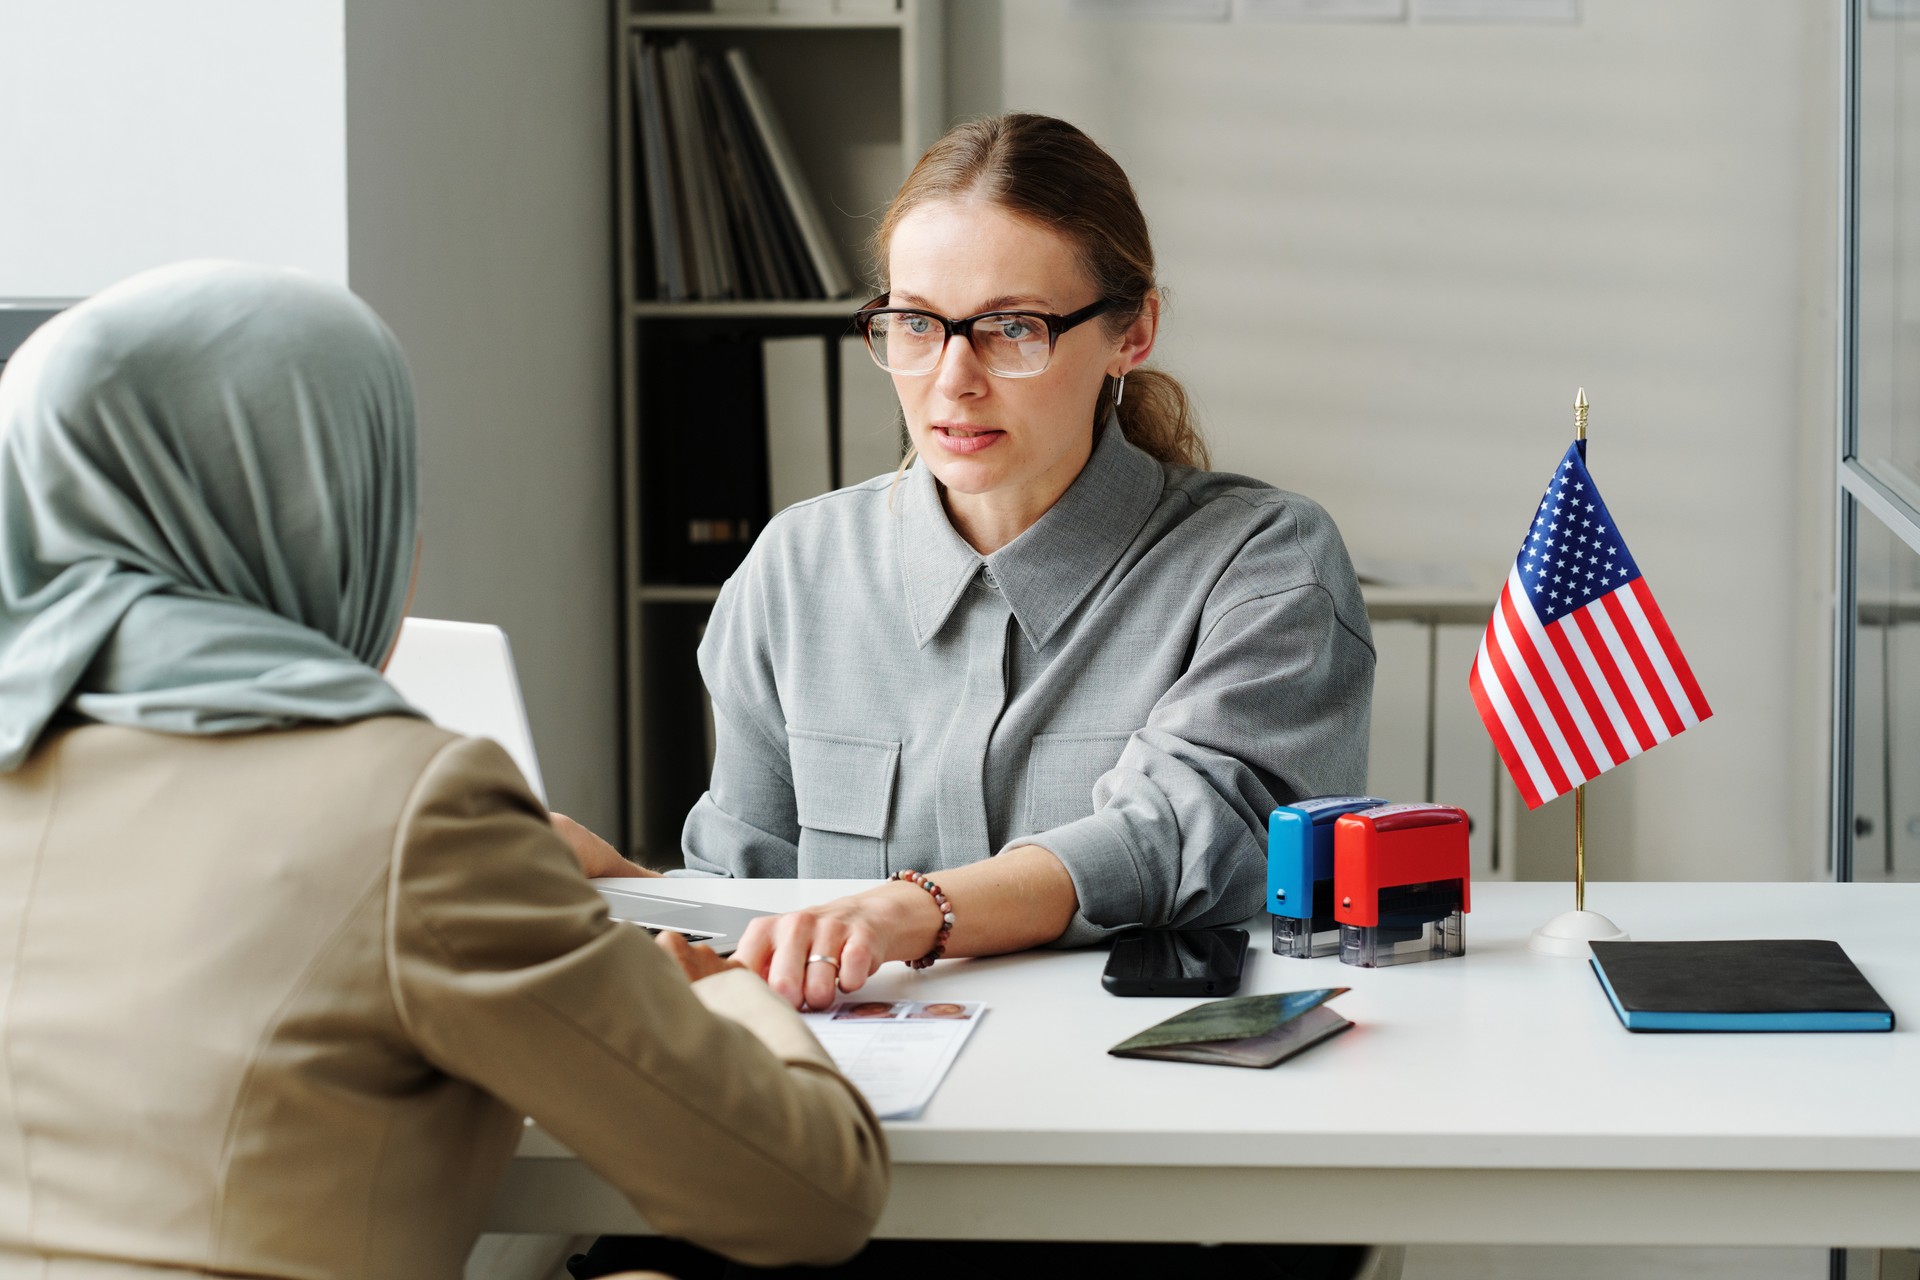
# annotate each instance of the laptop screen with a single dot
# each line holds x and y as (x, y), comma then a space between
(461, 675)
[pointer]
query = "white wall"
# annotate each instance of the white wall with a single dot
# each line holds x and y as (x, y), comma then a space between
(450, 161)
(1394, 251)
(480, 226)
(134, 134)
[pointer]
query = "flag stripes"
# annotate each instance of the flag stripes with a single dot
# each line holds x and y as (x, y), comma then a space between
(1568, 699)
(1578, 671)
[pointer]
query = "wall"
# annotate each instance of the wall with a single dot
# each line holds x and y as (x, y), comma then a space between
(1394, 251)
(134, 134)
(451, 163)
(479, 222)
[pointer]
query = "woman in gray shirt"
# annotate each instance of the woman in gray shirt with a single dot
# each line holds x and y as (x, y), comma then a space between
(1055, 664)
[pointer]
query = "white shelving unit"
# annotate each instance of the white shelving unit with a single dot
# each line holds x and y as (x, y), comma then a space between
(860, 96)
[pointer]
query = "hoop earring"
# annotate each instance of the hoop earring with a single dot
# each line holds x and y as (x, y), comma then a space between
(1119, 389)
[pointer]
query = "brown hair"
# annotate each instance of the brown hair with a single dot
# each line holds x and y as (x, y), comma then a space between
(1047, 171)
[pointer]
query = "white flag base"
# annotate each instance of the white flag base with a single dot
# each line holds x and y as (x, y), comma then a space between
(1568, 934)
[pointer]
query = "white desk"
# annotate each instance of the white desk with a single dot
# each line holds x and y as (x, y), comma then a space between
(1490, 1099)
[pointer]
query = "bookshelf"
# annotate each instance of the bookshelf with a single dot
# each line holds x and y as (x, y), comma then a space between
(859, 96)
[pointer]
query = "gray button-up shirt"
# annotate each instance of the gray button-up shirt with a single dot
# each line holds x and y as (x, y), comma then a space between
(1133, 683)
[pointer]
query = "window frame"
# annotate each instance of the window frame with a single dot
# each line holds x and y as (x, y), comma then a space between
(1858, 494)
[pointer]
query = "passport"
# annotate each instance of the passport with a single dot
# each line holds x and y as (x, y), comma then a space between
(1245, 1031)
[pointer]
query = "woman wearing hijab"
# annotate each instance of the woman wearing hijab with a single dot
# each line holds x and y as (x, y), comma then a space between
(282, 965)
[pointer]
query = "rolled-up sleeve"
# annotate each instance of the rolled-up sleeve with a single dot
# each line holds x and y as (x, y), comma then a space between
(1273, 708)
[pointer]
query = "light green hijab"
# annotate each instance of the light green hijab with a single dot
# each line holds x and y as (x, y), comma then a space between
(208, 506)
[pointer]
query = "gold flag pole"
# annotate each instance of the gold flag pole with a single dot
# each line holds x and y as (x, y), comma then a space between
(1580, 792)
(1569, 933)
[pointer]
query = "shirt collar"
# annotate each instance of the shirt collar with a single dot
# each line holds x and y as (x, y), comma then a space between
(1047, 571)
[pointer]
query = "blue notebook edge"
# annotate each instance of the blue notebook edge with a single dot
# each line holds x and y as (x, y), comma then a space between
(1811, 1021)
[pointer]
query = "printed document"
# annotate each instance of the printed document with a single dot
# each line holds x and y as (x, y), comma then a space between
(896, 1052)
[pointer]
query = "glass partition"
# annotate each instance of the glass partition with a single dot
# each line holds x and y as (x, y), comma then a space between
(1886, 708)
(1887, 247)
(1876, 762)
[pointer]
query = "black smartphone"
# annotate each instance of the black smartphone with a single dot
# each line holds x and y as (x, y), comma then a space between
(1176, 962)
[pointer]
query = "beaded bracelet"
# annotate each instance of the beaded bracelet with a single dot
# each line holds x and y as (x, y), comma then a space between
(946, 917)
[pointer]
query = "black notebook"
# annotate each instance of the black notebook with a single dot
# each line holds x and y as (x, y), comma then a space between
(1792, 984)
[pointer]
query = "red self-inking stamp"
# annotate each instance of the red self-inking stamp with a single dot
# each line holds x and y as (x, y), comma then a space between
(1400, 883)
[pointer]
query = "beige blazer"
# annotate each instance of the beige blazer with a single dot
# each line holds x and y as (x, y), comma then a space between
(275, 1004)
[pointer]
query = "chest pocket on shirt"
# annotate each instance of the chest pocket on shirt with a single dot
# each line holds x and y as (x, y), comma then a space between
(843, 798)
(1061, 771)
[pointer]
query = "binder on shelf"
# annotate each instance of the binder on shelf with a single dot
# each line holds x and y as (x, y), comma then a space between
(728, 209)
(822, 252)
(869, 416)
(799, 454)
(656, 162)
(772, 241)
(753, 251)
(790, 250)
(702, 463)
(712, 273)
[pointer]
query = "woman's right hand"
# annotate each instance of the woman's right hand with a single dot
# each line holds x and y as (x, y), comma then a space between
(695, 960)
(596, 856)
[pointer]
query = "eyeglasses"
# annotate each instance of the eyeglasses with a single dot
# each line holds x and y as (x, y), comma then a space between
(1011, 344)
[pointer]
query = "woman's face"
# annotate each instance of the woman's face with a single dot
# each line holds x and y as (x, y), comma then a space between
(981, 434)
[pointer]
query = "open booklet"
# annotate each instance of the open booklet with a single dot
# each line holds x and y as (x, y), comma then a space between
(895, 1051)
(1246, 1031)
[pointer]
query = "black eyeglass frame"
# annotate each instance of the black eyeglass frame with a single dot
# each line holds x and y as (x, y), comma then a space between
(1056, 326)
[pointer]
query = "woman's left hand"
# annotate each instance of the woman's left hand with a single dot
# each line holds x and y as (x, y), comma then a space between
(811, 955)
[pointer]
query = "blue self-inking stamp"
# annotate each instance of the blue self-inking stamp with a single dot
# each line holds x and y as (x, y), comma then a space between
(1300, 874)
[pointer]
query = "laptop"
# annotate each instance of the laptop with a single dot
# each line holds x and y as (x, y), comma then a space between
(461, 676)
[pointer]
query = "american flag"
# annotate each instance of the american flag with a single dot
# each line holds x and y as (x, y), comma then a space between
(1578, 671)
